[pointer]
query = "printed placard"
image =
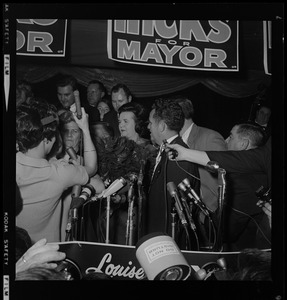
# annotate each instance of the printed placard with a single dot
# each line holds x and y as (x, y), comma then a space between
(160, 249)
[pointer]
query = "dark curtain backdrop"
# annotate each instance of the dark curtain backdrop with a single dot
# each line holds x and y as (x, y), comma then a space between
(149, 84)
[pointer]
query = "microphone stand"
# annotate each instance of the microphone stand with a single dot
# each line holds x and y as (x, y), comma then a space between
(173, 222)
(71, 228)
(82, 231)
(180, 213)
(221, 199)
(108, 208)
(140, 203)
(188, 213)
(75, 224)
(130, 223)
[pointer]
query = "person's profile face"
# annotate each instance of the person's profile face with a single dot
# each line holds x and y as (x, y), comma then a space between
(127, 124)
(65, 95)
(234, 142)
(71, 136)
(153, 127)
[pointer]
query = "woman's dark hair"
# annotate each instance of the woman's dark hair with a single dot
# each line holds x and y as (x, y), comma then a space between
(35, 122)
(140, 115)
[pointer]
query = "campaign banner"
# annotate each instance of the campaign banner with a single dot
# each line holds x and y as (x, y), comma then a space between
(180, 44)
(120, 262)
(41, 37)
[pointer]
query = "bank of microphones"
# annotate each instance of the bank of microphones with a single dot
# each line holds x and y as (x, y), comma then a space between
(185, 186)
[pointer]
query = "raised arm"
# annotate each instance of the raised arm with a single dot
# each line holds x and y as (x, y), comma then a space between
(90, 153)
(195, 156)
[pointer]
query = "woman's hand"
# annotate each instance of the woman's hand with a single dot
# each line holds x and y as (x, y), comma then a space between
(40, 254)
(83, 123)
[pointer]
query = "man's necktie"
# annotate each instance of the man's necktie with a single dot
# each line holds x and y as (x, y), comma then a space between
(158, 158)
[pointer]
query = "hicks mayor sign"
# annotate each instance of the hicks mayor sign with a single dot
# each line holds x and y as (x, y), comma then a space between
(180, 44)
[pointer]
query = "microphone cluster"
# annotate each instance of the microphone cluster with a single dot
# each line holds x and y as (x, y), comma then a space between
(185, 189)
(183, 211)
(192, 195)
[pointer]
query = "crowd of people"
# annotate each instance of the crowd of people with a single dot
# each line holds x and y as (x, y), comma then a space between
(93, 140)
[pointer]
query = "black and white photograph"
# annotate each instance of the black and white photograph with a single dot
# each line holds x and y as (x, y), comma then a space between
(150, 139)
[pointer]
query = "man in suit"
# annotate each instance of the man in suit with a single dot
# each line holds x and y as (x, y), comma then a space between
(165, 122)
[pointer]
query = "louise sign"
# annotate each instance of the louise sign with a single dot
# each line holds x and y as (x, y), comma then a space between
(41, 37)
(180, 44)
(120, 262)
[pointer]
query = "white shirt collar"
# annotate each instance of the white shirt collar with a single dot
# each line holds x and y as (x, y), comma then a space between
(171, 138)
(187, 133)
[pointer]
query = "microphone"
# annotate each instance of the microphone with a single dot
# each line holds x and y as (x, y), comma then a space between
(173, 152)
(72, 153)
(193, 196)
(212, 166)
(114, 187)
(141, 172)
(187, 210)
(173, 192)
(132, 177)
(87, 192)
(221, 177)
(78, 104)
(76, 188)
